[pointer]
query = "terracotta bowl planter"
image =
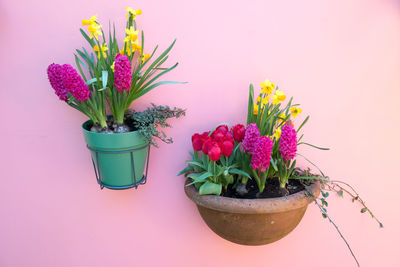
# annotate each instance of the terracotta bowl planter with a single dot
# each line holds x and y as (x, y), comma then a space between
(252, 221)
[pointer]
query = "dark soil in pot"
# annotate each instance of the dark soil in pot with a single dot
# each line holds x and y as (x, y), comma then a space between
(113, 127)
(272, 189)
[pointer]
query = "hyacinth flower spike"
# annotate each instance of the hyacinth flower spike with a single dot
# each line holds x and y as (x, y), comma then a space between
(71, 88)
(287, 150)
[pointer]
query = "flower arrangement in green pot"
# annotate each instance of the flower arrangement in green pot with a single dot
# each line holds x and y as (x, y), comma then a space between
(109, 77)
(245, 180)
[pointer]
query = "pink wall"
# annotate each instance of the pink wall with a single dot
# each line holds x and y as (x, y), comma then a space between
(339, 59)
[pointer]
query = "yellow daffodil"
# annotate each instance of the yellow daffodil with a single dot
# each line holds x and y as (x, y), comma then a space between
(258, 99)
(255, 111)
(295, 111)
(267, 87)
(112, 66)
(278, 97)
(94, 30)
(132, 12)
(283, 117)
(145, 57)
(277, 133)
(135, 47)
(264, 101)
(103, 48)
(90, 21)
(131, 35)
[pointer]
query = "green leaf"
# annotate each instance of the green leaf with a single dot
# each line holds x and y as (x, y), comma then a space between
(222, 159)
(274, 164)
(302, 124)
(90, 41)
(233, 155)
(78, 64)
(317, 147)
(325, 194)
(88, 83)
(250, 106)
(148, 89)
(195, 175)
(196, 163)
(209, 188)
(340, 193)
(324, 215)
(228, 179)
(185, 170)
(104, 78)
(201, 178)
(363, 210)
(239, 172)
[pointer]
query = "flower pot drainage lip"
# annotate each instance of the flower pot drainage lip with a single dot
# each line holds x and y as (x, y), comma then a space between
(252, 206)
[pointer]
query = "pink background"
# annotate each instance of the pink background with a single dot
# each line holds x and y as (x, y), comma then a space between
(339, 59)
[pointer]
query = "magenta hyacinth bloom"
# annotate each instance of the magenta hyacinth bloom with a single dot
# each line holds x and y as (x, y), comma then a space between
(250, 138)
(288, 142)
(55, 73)
(74, 83)
(261, 155)
(122, 73)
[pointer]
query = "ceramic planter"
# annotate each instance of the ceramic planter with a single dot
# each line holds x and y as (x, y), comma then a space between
(252, 221)
(119, 159)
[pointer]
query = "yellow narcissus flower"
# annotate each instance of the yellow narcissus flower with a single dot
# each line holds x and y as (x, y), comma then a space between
(267, 87)
(255, 111)
(131, 35)
(145, 57)
(132, 12)
(282, 117)
(277, 133)
(112, 66)
(258, 99)
(90, 21)
(264, 101)
(103, 48)
(278, 97)
(94, 30)
(295, 111)
(135, 46)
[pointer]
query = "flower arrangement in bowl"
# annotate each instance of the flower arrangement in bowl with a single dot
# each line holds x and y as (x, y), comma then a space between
(110, 78)
(245, 180)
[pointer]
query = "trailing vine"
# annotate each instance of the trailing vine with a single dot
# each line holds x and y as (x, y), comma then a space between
(339, 187)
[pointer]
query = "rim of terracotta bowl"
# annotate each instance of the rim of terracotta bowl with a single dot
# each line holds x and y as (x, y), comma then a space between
(252, 206)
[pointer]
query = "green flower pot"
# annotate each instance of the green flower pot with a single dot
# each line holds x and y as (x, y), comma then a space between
(119, 159)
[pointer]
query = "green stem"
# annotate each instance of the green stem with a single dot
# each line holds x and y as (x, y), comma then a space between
(260, 186)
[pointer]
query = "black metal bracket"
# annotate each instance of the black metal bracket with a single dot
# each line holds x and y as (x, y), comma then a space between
(135, 182)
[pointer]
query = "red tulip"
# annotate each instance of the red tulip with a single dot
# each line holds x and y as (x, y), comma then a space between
(227, 147)
(218, 135)
(197, 142)
(229, 135)
(206, 143)
(222, 128)
(238, 132)
(205, 134)
(214, 151)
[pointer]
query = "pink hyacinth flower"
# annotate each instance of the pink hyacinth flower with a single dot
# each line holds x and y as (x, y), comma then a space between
(288, 142)
(74, 83)
(261, 155)
(250, 138)
(55, 73)
(122, 73)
